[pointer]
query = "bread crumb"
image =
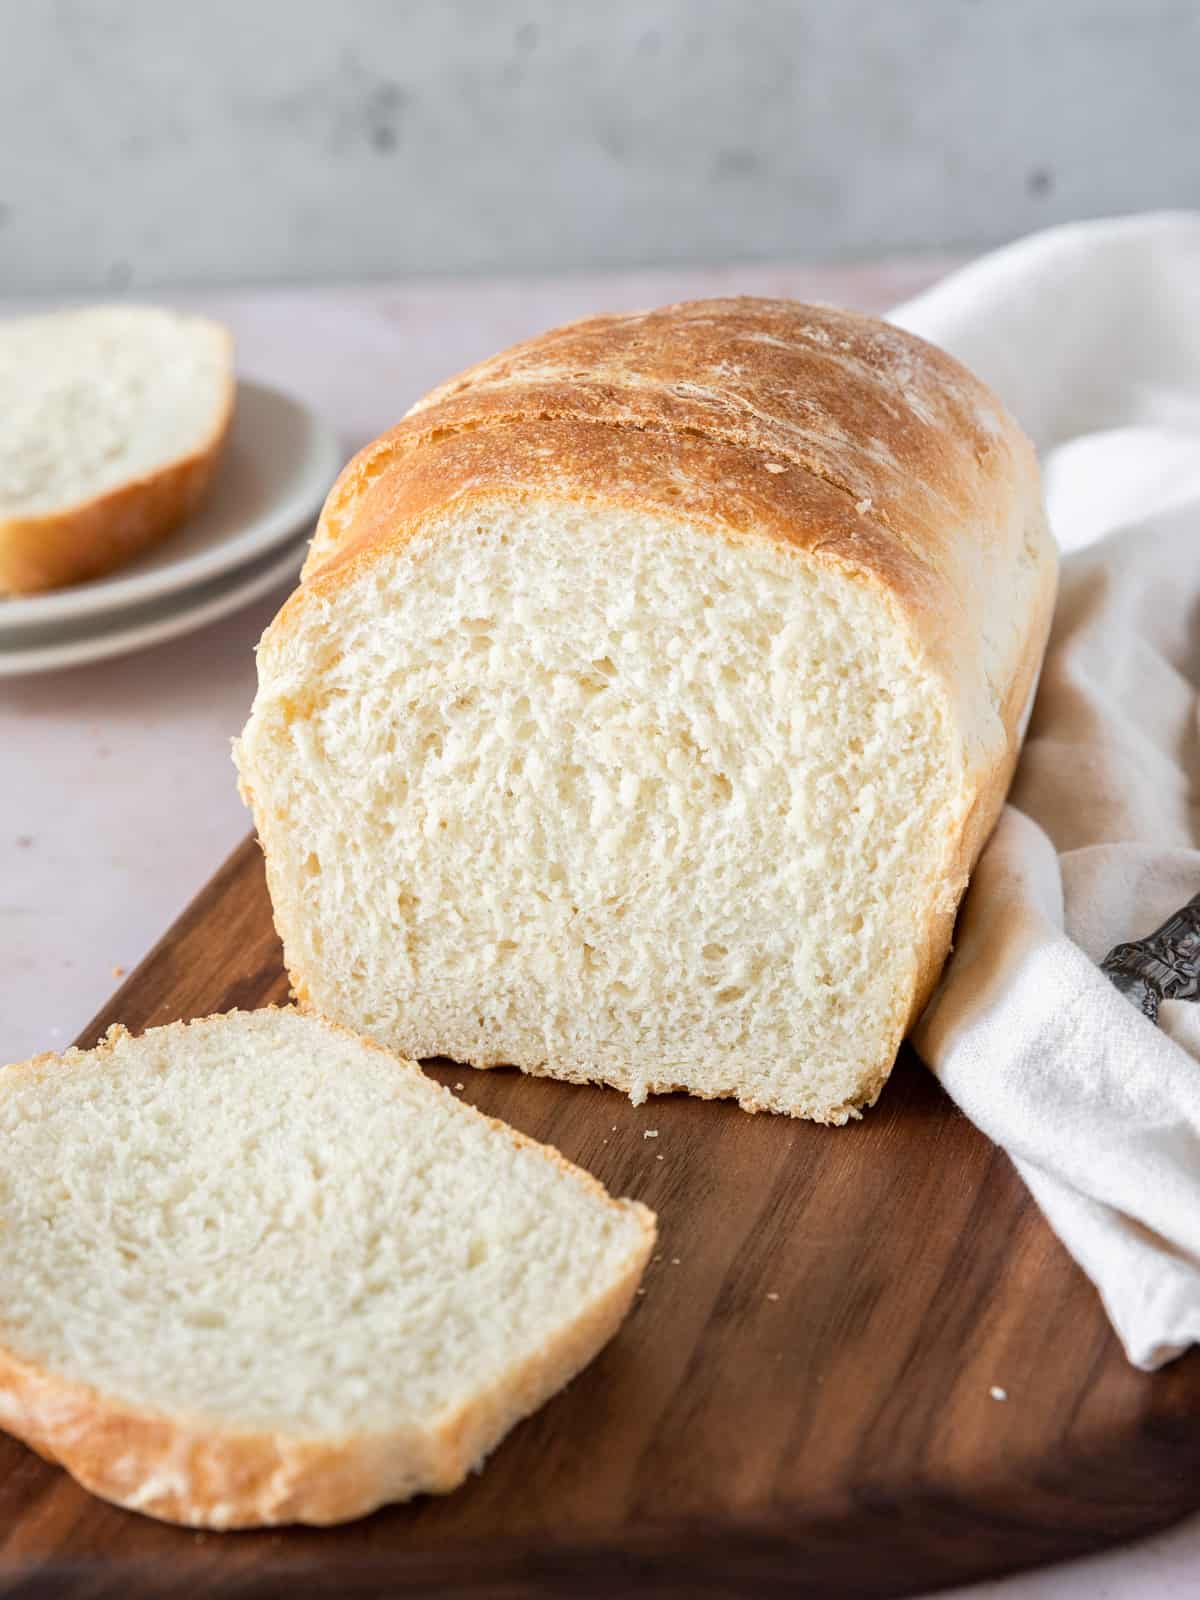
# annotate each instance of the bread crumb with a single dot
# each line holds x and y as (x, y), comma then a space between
(775, 466)
(863, 506)
(771, 1295)
(613, 1129)
(658, 1158)
(459, 1087)
(997, 1393)
(641, 1291)
(657, 1257)
(649, 1133)
(118, 972)
(674, 1261)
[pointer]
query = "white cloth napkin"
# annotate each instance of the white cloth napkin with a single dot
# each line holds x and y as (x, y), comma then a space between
(1091, 334)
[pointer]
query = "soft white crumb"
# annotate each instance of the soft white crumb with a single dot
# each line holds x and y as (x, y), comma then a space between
(459, 1087)
(997, 1393)
(771, 1295)
(658, 1158)
(649, 1133)
(775, 466)
(674, 1261)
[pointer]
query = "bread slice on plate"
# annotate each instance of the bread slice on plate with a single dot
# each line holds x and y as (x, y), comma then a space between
(111, 422)
(255, 1270)
(650, 693)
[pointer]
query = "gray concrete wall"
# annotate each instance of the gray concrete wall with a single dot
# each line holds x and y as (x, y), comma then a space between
(152, 142)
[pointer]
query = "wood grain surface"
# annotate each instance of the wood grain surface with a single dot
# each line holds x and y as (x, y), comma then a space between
(800, 1404)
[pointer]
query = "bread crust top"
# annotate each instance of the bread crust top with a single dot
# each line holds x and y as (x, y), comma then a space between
(908, 437)
(820, 430)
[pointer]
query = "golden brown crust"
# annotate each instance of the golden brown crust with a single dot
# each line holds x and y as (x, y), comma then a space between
(875, 413)
(99, 535)
(193, 1471)
(831, 435)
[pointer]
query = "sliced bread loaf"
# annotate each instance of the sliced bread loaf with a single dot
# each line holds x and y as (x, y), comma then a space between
(650, 693)
(254, 1270)
(111, 421)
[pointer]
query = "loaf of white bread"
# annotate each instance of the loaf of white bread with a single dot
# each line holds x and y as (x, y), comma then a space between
(112, 419)
(253, 1270)
(647, 698)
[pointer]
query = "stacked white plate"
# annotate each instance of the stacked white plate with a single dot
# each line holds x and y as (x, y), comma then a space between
(248, 538)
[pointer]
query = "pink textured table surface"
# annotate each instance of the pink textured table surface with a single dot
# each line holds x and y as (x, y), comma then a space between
(117, 798)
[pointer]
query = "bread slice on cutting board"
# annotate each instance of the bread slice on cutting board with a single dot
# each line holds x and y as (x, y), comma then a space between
(255, 1270)
(111, 422)
(649, 695)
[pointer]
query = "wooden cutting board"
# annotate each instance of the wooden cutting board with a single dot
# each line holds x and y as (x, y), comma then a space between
(802, 1402)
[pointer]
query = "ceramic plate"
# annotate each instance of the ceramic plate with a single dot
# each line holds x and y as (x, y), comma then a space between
(133, 628)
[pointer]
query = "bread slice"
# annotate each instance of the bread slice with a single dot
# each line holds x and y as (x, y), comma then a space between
(650, 693)
(254, 1270)
(111, 422)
